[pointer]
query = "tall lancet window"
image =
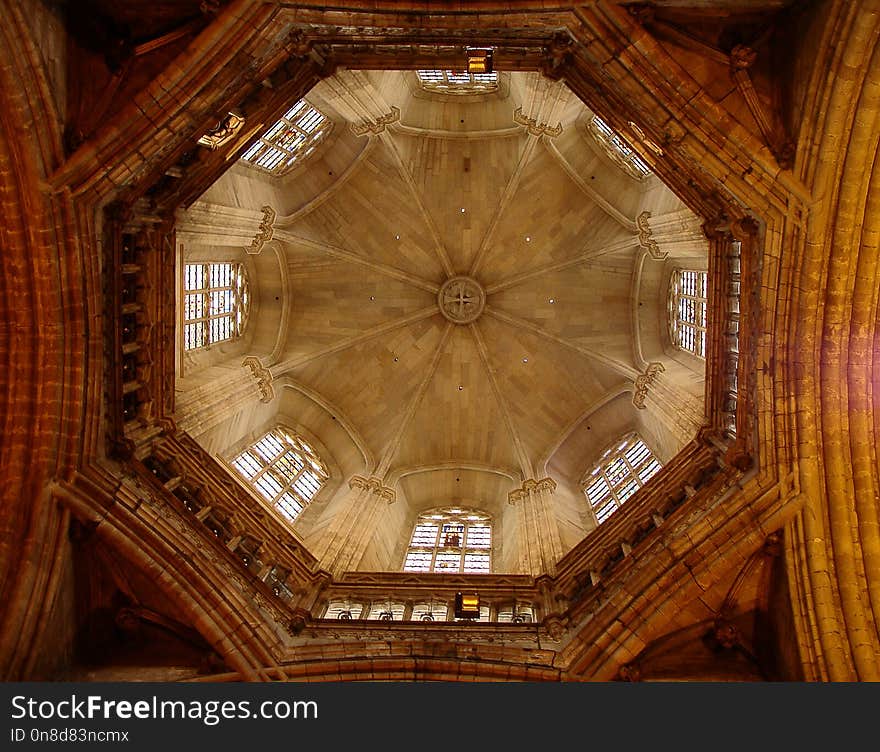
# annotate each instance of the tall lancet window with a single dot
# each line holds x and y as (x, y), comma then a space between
(687, 315)
(290, 140)
(215, 303)
(624, 468)
(284, 470)
(451, 540)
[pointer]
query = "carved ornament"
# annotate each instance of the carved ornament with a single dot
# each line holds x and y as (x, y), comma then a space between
(263, 377)
(742, 57)
(222, 132)
(373, 486)
(534, 127)
(461, 299)
(264, 233)
(530, 487)
(376, 126)
(643, 381)
(646, 237)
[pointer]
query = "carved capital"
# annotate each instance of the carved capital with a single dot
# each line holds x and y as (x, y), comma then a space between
(744, 229)
(263, 377)
(264, 233)
(376, 126)
(716, 226)
(529, 487)
(643, 381)
(374, 486)
(358, 482)
(646, 237)
(544, 484)
(534, 127)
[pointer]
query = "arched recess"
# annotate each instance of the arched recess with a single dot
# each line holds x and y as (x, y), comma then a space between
(220, 614)
(470, 485)
(264, 331)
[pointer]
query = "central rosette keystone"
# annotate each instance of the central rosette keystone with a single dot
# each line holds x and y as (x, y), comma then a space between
(461, 299)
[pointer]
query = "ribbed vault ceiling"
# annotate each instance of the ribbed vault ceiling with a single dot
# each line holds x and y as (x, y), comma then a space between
(545, 225)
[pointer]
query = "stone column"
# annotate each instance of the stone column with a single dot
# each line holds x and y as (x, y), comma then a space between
(202, 408)
(539, 541)
(343, 544)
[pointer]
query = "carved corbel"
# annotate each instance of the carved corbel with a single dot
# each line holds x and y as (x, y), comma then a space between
(726, 633)
(646, 237)
(264, 233)
(376, 126)
(643, 381)
(298, 46)
(263, 377)
(534, 127)
(557, 55)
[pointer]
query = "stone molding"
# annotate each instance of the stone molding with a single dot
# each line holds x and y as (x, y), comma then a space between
(373, 485)
(265, 232)
(534, 127)
(643, 381)
(376, 126)
(646, 237)
(531, 486)
(263, 377)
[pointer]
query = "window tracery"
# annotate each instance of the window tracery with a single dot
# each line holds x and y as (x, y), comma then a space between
(687, 315)
(450, 540)
(458, 82)
(618, 150)
(293, 138)
(622, 470)
(215, 303)
(284, 470)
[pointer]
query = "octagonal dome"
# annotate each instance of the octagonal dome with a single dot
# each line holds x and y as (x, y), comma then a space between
(453, 294)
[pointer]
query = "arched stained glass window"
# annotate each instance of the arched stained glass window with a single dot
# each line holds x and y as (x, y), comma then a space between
(293, 138)
(687, 302)
(284, 470)
(458, 82)
(623, 469)
(451, 540)
(618, 150)
(215, 303)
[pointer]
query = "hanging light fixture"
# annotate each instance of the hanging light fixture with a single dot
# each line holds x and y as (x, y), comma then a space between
(467, 606)
(479, 59)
